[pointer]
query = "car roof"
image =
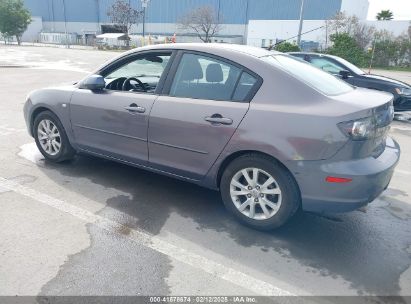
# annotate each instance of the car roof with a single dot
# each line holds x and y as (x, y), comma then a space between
(210, 47)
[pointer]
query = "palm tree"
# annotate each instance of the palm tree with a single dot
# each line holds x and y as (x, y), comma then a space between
(385, 15)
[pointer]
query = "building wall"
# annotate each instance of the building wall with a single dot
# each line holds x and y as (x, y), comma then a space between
(268, 19)
(358, 8)
(153, 28)
(397, 27)
(169, 11)
(33, 30)
(260, 30)
(290, 10)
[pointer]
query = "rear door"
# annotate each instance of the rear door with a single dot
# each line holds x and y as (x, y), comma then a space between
(205, 102)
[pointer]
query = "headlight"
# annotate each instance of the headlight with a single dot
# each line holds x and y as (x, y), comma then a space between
(403, 91)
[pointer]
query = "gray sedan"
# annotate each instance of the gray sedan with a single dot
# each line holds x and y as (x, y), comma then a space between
(271, 133)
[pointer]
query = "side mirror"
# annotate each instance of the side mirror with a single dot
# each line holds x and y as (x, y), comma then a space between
(94, 83)
(344, 74)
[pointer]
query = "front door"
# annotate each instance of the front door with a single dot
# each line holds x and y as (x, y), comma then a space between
(191, 125)
(114, 121)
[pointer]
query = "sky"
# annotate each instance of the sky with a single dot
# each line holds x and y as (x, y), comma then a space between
(400, 8)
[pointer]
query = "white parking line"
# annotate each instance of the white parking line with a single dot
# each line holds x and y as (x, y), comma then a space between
(401, 128)
(6, 130)
(231, 275)
(403, 172)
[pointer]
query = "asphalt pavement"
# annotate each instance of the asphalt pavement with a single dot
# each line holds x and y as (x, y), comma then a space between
(95, 227)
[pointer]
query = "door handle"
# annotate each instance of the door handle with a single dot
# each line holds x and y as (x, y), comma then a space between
(218, 119)
(133, 108)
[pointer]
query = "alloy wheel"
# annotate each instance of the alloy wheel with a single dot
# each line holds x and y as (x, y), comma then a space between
(49, 137)
(255, 193)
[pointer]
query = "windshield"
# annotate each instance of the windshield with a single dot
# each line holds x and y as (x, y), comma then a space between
(141, 67)
(349, 65)
(314, 77)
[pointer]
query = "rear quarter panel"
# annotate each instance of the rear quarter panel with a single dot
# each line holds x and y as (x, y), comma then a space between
(293, 122)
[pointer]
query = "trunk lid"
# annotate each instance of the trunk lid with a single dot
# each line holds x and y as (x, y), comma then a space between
(363, 104)
(383, 116)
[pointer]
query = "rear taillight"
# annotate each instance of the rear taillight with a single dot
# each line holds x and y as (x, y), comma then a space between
(369, 127)
(358, 129)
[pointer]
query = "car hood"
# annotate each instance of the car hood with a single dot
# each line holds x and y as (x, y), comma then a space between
(386, 80)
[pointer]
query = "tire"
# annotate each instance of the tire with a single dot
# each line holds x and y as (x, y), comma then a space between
(55, 148)
(283, 193)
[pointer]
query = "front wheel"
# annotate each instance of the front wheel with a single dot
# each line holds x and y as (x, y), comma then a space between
(51, 138)
(259, 192)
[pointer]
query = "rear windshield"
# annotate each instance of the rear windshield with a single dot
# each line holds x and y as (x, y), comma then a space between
(314, 77)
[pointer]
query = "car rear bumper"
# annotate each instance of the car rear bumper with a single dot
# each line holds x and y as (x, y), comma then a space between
(369, 177)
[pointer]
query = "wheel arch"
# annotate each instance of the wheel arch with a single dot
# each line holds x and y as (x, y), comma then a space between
(42, 108)
(229, 158)
(36, 112)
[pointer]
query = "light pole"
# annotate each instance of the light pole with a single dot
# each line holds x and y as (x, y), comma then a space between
(144, 21)
(144, 4)
(52, 15)
(98, 14)
(65, 24)
(246, 25)
(218, 12)
(300, 28)
(372, 54)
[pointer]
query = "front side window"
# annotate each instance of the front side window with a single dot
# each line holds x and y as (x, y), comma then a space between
(305, 72)
(203, 77)
(140, 75)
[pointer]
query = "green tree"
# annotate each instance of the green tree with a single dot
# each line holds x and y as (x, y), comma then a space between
(14, 18)
(390, 50)
(343, 23)
(385, 15)
(346, 47)
(287, 47)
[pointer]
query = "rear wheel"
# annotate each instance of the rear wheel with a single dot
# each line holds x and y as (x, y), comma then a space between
(259, 191)
(51, 138)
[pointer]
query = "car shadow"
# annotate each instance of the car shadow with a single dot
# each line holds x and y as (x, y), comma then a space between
(357, 247)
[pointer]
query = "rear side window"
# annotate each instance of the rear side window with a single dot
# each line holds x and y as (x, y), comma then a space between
(244, 87)
(315, 78)
(203, 77)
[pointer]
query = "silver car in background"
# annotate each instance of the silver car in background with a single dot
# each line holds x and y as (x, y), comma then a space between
(271, 133)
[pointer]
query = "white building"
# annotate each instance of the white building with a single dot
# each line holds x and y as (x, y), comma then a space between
(263, 33)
